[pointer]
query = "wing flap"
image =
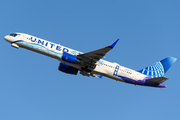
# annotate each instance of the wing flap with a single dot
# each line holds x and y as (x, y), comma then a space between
(157, 80)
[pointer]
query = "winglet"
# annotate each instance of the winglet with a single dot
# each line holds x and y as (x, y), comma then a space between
(100, 76)
(114, 43)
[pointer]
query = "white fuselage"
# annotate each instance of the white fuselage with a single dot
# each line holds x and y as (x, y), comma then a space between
(103, 67)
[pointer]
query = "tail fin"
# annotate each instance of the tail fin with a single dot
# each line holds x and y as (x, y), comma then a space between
(158, 69)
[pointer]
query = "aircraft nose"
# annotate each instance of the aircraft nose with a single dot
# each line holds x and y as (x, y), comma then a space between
(7, 38)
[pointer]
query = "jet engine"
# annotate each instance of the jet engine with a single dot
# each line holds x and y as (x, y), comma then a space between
(69, 58)
(67, 69)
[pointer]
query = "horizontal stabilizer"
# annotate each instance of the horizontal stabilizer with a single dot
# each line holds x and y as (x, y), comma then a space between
(157, 80)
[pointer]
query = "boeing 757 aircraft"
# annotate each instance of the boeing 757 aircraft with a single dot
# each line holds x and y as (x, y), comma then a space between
(92, 63)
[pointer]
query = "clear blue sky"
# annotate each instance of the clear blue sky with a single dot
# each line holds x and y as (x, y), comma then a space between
(32, 88)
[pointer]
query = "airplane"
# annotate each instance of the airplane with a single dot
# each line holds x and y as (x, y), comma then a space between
(92, 63)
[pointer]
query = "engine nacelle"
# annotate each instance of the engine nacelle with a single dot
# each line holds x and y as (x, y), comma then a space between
(67, 69)
(69, 58)
(14, 45)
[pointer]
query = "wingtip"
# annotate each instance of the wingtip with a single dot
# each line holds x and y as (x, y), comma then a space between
(100, 76)
(114, 43)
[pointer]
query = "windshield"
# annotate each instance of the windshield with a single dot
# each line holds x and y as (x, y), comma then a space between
(14, 34)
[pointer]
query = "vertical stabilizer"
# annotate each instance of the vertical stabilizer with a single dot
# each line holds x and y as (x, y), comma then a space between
(167, 63)
(158, 69)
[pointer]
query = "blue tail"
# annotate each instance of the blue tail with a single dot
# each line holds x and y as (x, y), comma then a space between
(158, 69)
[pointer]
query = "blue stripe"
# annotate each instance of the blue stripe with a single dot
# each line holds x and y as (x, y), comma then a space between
(17, 41)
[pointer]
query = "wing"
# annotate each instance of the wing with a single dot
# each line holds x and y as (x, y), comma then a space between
(94, 56)
(157, 80)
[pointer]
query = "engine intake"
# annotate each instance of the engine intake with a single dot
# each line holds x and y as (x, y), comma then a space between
(67, 69)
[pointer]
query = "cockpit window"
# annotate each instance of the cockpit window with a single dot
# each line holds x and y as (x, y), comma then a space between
(14, 34)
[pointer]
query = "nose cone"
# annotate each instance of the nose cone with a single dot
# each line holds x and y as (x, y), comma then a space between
(7, 38)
